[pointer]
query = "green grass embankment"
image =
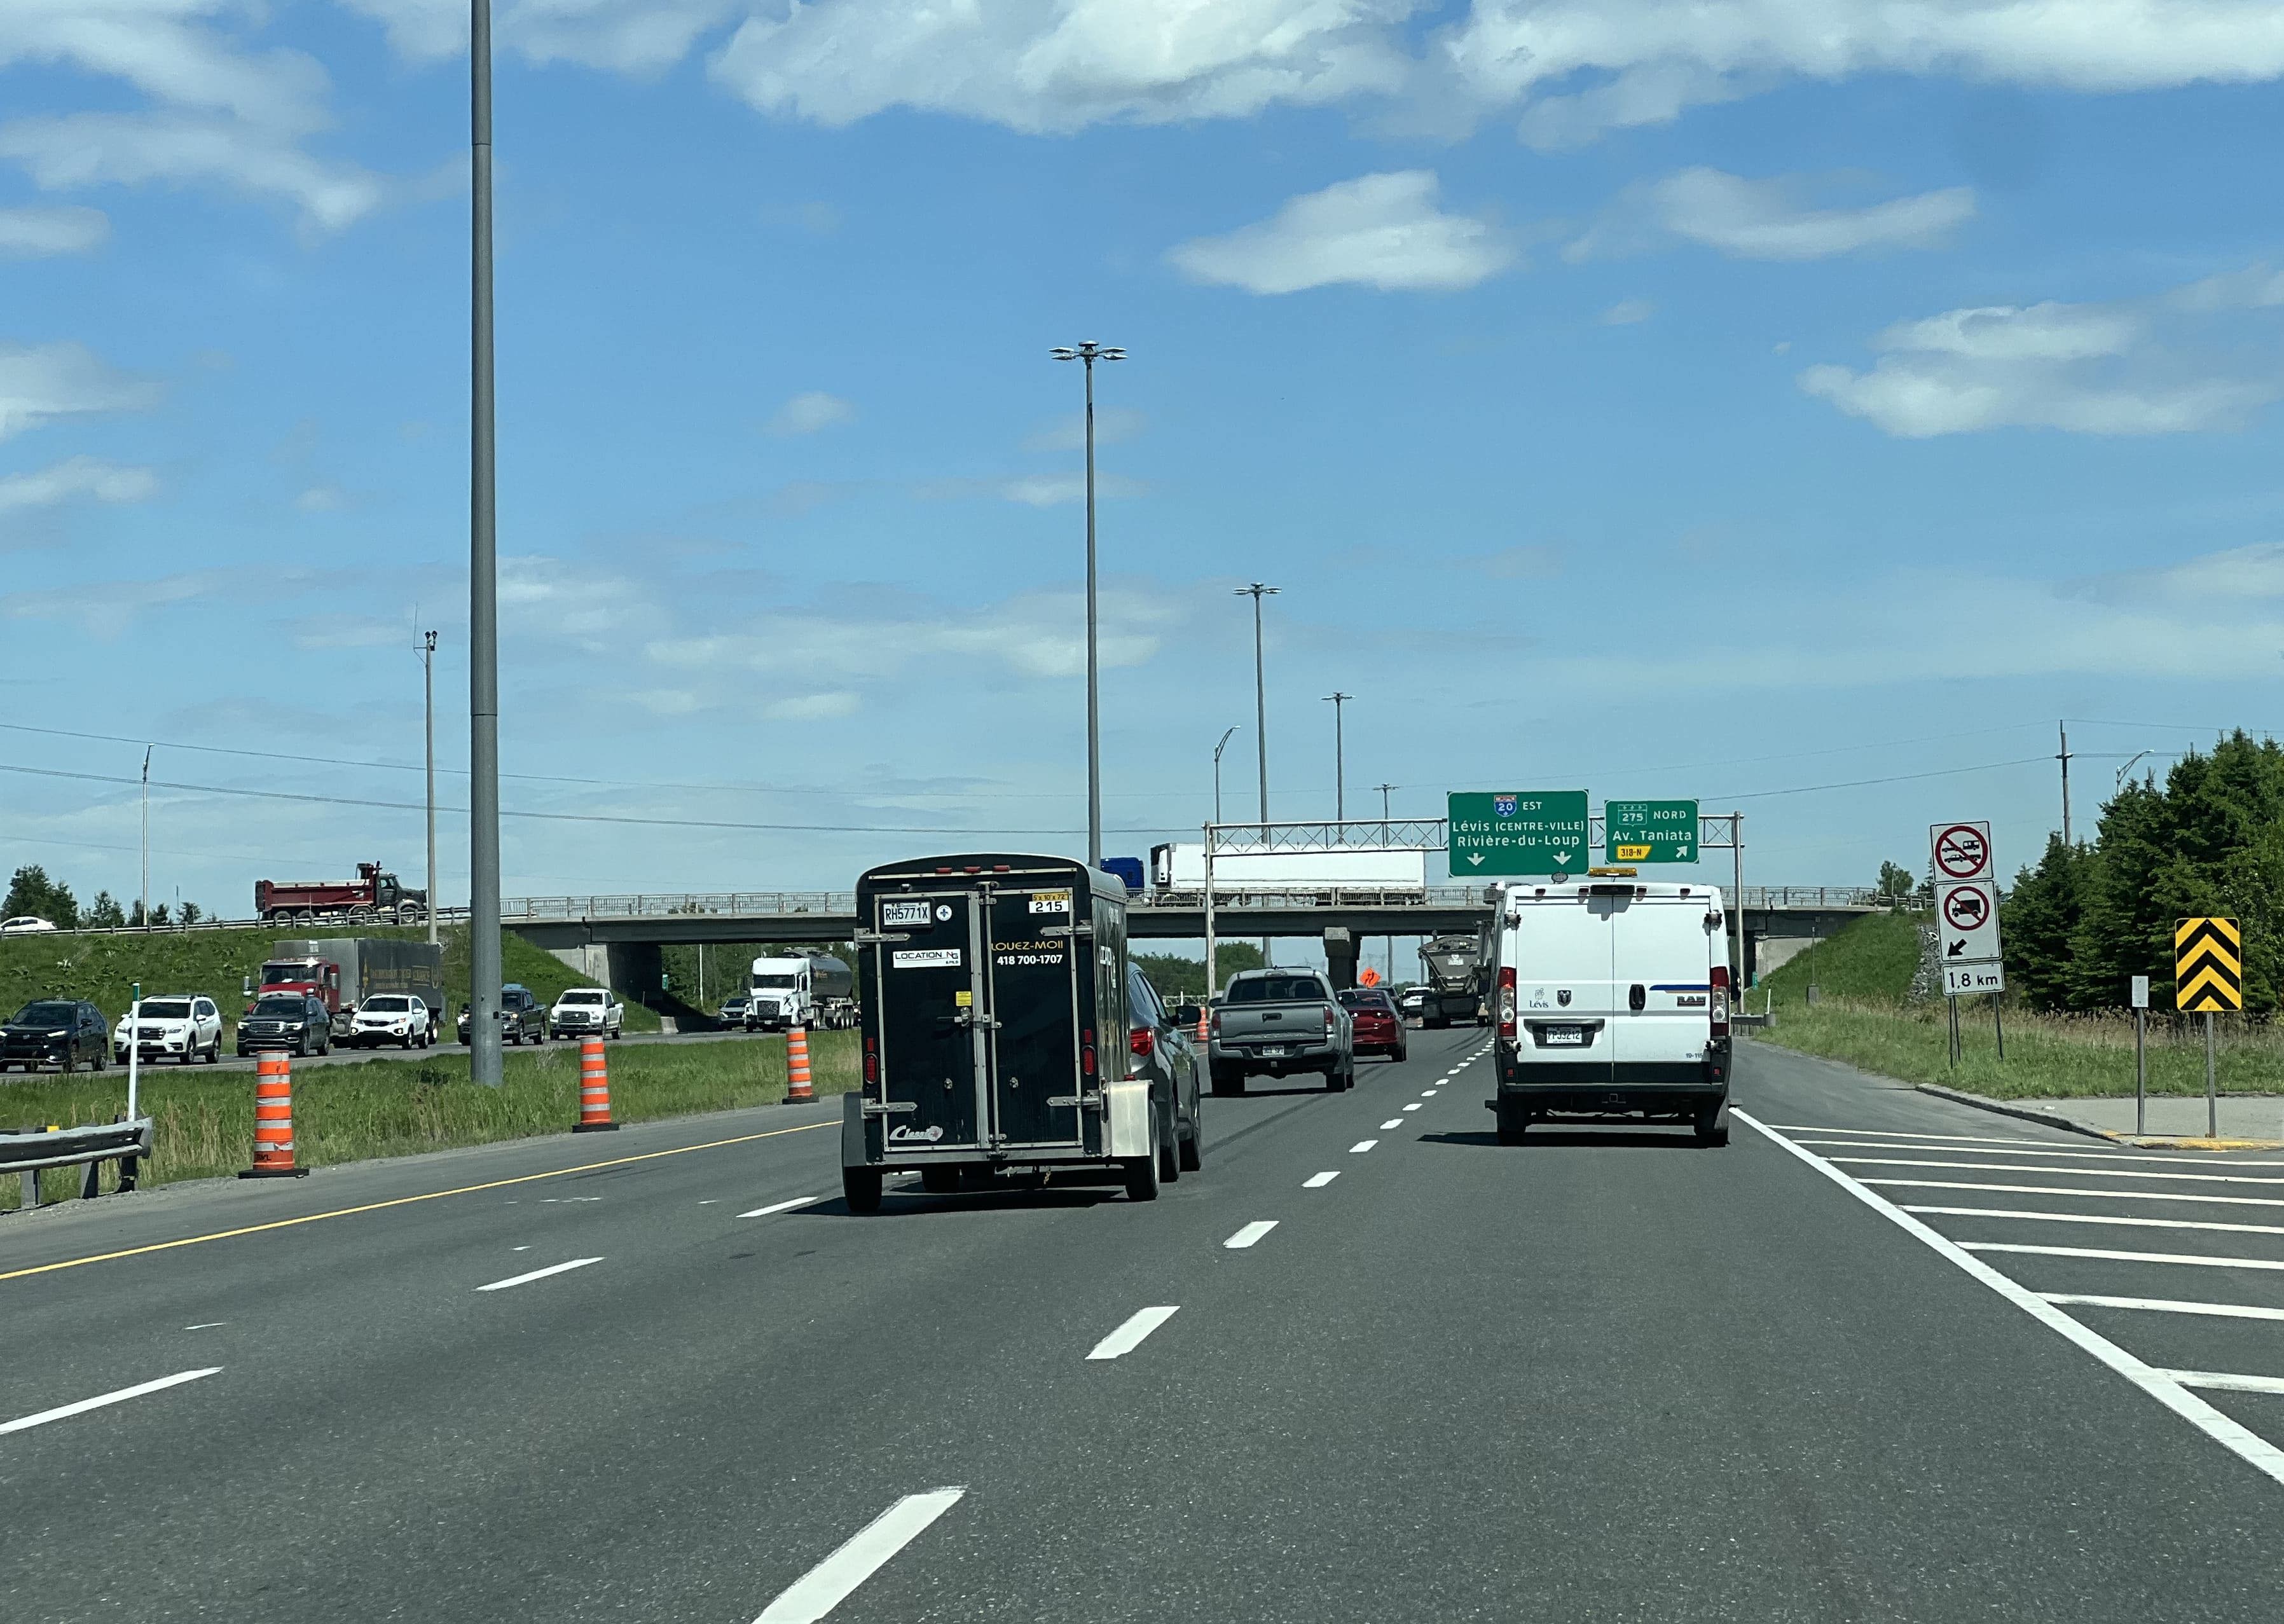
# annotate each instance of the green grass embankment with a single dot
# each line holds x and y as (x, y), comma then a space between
(103, 966)
(1863, 1016)
(203, 1122)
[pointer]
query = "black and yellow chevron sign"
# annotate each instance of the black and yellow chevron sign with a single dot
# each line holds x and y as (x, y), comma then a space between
(2208, 966)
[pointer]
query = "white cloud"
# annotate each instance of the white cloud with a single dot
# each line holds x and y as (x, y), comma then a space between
(1766, 220)
(107, 607)
(37, 233)
(1626, 312)
(2184, 361)
(132, 148)
(40, 383)
(322, 499)
(1060, 64)
(1112, 424)
(1034, 489)
(1377, 231)
(1582, 67)
(810, 413)
(813, 707)
(80, 477)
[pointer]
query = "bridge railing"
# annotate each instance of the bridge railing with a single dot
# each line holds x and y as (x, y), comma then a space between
(664, 905)
(1313, 896)
(1814, 896)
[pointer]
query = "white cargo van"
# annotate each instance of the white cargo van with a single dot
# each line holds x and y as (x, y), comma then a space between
(1613, 1002)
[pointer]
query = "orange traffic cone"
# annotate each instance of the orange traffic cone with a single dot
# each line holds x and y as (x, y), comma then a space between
(797, 1088)
(273, 1119)
(1203, 1020)
(594, 1090)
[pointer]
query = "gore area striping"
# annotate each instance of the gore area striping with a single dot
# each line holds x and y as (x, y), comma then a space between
(2227, 1383)
(2231, 1435)
(2115, 1159)
(2194, 1198)
(61, 1411)
(828, 1584)
(538, 1274)
(1249, 1235)
(1317, 1181)
(1897, 1133)
(2190, 1258)
(2109, 1218)
(1129, 1336)
(2008, 1166)
(781, 1206)
(2165, 1305)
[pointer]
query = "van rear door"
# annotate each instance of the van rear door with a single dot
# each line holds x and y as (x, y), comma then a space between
(1664, 985)
(931, 987)
(1563, 951)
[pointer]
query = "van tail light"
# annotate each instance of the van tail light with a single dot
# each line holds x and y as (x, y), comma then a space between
(1506, 1001)
(1143, 1042)
(1720, 1001)
(872, 1061)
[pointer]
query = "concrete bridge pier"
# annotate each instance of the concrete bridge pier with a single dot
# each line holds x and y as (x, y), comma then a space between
(1341, 948)
(629, 969)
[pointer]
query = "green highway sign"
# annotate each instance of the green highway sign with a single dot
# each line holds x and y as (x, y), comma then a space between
(1517, 832)
(1650, 831)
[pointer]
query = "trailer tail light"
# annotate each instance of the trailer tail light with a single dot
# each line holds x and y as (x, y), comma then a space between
(872, 1061)
(1086, 1052)
(1720, 1002)
(1506, 1001)
(1143, 1042)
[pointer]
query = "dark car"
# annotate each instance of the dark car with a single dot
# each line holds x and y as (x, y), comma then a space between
(296, 1021)
(1380, 1029)
(67, 1032)
(523, 1018)
(1162, 1044)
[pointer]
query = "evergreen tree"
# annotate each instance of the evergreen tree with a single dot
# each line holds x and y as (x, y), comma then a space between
(32, 891)
(2039, 921)
(105, 914)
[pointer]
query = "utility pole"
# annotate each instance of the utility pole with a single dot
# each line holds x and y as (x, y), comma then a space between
(2065, 758)
(485, 1060)
(1337, 700)
(1256, 592)
(428, 714)
(1217, 750)
(1383, 789)
(1092, 352)
(145, 904)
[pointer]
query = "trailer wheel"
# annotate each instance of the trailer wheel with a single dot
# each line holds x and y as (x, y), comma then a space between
(860, 1188)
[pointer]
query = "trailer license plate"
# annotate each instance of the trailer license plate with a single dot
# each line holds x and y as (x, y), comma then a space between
(903, 912)
(1573, 1036)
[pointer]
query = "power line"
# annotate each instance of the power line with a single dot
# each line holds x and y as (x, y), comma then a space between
(1857, 783)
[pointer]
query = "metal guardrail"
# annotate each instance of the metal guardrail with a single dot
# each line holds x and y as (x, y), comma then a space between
(665, 905)
(27, 1154)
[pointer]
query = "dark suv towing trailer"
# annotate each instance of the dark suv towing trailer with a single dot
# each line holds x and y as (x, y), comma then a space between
(1003, 1027)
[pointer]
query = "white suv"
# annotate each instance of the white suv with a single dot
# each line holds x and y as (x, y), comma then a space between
(392, 1017)
(181, 1029)
(587, 1012)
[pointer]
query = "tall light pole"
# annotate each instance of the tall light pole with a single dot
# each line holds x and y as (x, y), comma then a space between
(1218, 749)
(1383, 789)
(1337, 701)
(1092, 352)
(1256, 592)
(484, 1059)
(145, 904)
(428, 715)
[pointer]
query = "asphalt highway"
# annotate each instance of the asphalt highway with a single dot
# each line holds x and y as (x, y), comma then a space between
(1367, 1364)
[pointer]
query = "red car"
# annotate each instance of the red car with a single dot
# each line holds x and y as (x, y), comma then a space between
(1379, 1029)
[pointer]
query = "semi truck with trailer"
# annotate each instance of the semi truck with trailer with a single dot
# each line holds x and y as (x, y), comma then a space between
(341, 971)
(375, 894)
(1455, 967)
(810, 991)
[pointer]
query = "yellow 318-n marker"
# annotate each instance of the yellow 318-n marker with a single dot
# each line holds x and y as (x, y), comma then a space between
(1633, 853)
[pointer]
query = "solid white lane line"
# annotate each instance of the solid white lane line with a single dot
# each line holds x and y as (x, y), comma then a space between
(1391, 1122)
(1129, 1336)
(2003, 1166)
(1250, 1234)
(2239, 1440)
(829, 1583)
(23, 1423)
(2227, 1383)
(782, 1206)
(1415, 1105)
(2191, 1258)
(538, 1274)
(2065, 1190)
(2109, 1218)
(1897, 1133)
(1317, 1181)
(1361, 1146)
(2163, 1305)
(2115, 1159)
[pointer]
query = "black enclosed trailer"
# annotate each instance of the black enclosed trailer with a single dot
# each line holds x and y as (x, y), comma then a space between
(993, 987)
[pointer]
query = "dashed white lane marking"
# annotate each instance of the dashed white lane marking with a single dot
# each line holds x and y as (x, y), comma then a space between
(1317, 1181)
(2121, 1257)
(2007, 1167)
(2227, 1383)
(2231, 1435)
(61, 1411)
(1129, 1336)
(781, 1206)
(2161, 1305)
(2067, 1189)
(206, 1325)
(1250, 1234)
(1361, 1146)
(1428, 1094)
(1415, 1105)
(519, 1248)
(829, 1583)
(538, 1274)
(2109, 1218)
(1391, 1122)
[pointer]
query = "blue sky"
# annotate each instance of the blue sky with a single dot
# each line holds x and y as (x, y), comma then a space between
(1732, 399)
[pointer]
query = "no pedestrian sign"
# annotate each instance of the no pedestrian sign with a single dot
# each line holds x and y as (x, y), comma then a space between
(1506, 833)
(1650, 831)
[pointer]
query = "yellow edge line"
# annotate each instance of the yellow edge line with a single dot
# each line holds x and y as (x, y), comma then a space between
(433, 1195)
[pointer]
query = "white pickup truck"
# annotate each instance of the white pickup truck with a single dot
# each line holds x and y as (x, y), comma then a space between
(587, 1012)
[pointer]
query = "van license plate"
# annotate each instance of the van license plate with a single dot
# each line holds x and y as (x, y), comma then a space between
(1564, 1034)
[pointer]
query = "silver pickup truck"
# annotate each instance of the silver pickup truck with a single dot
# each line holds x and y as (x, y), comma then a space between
(1280, 1021)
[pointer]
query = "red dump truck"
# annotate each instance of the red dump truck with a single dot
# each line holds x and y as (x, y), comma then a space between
(375, 893)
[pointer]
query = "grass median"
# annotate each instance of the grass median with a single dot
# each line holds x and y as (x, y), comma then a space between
(203, 1123)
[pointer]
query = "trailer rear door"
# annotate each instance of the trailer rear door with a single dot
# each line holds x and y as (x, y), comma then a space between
(1038, 1037)
(929, 970)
